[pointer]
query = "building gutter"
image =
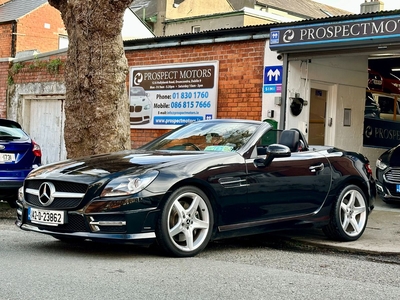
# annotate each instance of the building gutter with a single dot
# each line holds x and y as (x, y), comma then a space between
(226, 39)
(13, 50)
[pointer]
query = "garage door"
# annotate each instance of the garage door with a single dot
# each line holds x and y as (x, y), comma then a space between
(46, 125)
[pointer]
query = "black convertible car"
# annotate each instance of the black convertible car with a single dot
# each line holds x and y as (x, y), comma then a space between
(204, 181)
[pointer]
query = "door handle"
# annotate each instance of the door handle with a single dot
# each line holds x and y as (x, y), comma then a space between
(319, 167)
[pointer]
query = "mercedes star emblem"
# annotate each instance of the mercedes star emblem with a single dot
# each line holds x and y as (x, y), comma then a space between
(46, 192)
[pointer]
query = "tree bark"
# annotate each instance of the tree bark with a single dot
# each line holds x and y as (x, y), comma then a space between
(96, 104)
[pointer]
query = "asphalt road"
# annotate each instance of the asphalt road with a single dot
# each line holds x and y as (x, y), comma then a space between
(35, 266)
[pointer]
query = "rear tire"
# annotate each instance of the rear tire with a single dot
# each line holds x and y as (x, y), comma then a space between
(349, 215)
(185, 225)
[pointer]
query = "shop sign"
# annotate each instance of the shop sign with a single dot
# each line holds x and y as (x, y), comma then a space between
(167, 96)
(364, 31)
(381, 133)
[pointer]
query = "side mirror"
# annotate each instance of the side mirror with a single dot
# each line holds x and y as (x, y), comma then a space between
(273, 151)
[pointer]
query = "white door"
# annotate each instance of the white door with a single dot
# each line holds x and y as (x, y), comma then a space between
(46, 126)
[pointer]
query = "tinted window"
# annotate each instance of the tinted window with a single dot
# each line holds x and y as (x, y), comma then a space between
(12, 133)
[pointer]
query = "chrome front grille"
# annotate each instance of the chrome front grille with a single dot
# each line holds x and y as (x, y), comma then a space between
(66, 195)
(392, 176)
(61, 186)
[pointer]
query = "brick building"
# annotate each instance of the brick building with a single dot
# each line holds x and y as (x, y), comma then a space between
(239, 79)
(331, 83)
(31, 26)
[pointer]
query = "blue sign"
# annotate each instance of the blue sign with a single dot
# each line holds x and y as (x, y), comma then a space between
(270, 88)
(273, 74)
(273, 79)
(274, 37)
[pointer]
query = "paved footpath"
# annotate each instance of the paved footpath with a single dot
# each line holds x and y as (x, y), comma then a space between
(381, 237)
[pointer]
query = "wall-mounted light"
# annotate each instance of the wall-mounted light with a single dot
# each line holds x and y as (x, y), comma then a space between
(296, 106)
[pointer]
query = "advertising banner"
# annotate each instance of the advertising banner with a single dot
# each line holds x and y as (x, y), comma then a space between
(167, 96)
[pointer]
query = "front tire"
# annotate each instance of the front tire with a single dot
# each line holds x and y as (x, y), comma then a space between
(349, 215)
(185, 226)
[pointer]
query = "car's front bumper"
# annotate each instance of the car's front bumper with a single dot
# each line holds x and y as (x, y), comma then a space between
(134, 238)
(130, 227)
(385, 192)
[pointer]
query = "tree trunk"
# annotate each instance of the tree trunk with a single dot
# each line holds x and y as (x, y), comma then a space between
(96, 105)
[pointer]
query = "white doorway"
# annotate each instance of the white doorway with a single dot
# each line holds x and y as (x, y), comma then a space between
(316, 126)
(44, 120)
(320, 115)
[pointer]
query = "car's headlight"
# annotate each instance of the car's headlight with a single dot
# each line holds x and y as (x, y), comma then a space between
(147, 107)
(128, 184)
(380, 164)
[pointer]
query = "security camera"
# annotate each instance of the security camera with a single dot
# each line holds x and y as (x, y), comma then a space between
(279, 57)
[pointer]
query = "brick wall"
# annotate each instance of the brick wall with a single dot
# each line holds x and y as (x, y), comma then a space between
(5, 39)
(239, 81)
(37, 71)
(40, 29)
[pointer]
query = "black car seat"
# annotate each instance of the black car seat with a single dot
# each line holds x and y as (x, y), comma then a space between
(290, 138)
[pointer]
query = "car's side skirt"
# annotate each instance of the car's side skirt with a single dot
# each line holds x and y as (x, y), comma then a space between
(245, 225)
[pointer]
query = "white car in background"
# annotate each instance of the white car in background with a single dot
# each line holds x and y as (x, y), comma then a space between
(140, 106)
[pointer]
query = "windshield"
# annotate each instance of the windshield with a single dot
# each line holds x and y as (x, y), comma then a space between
(137, 91)
(206, 136)
(12, 133)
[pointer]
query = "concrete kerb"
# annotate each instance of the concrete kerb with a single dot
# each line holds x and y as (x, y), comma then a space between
(381, 237)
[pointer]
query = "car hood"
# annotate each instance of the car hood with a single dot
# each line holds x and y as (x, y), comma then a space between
(392, 157)
(93, 168)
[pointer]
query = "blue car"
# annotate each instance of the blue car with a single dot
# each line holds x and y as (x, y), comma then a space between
(19, 155)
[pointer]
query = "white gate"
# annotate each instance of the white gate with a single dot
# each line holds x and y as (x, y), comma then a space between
(44, 121)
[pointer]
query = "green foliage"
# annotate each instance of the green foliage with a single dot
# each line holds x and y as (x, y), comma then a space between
(10, 80)
(15, 68)
(52, 67)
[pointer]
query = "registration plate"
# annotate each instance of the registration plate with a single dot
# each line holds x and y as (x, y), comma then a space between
(48, 217)
(7, 157)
